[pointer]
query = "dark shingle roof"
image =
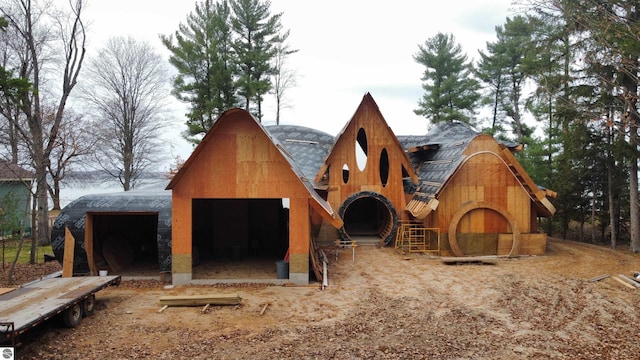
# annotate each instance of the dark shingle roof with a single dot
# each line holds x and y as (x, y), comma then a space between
(442, 153)
(308, 147)
(443, 144)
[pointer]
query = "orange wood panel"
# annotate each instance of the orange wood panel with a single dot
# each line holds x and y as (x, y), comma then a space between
(299, 234)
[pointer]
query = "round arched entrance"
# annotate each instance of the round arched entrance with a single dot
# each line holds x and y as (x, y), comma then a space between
(368, 214)
(455, 220)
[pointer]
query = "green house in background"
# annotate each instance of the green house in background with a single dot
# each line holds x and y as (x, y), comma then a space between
(15, 193)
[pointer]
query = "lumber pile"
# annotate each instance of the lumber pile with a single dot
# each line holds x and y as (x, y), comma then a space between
(631, 282)
(200, 300)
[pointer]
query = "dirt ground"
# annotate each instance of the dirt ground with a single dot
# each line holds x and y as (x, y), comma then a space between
(383, 305)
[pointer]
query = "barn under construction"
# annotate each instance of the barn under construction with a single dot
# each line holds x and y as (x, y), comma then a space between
(249, 191)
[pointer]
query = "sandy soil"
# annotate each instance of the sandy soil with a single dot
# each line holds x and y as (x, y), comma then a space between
(383, 305)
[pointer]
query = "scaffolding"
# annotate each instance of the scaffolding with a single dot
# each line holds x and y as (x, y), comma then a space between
(413, 237)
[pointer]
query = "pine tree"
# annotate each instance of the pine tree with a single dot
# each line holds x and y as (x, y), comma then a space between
(201, 51)
(256, 33)
(451, 92)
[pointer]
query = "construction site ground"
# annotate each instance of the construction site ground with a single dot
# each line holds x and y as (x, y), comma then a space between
(383, 305)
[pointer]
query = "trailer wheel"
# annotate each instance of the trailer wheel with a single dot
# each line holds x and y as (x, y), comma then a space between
(89, 305)
(72, 316)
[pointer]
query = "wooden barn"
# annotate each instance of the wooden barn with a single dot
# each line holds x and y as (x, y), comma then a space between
(229, 195)
(465, 187)
(475, 192)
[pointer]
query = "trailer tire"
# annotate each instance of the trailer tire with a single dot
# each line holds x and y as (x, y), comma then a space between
(88, 305)
(72, 316)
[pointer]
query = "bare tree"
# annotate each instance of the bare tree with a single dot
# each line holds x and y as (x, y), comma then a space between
(41, 28)
(73, 144)
(283, 78)
(127, 86)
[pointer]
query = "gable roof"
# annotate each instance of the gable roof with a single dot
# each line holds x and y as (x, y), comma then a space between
(317, 202)
(368, 103)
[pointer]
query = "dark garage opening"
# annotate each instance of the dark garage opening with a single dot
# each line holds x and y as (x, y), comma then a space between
(238, 238)
(126, 244)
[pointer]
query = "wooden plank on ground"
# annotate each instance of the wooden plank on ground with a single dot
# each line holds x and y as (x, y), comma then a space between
(6, 290)
(623, 282)
(598, 278)
(629, 280)
(200, 300)
(482, 260)
(69, 249)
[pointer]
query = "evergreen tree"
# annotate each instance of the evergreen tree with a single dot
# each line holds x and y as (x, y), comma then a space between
(201, 51)
(224, 55)
(610, 30)
(257, 34)
(11, 88)
(451, 92)
(513, 49)
(491, 71)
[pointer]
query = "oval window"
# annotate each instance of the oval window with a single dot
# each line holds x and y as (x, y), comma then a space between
(384, 167)
(361, 149)
(345, 173)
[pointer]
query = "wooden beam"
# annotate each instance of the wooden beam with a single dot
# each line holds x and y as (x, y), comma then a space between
(205, 308)
(623, 282)
(629, 280)
(598, 278)
(200, 300)
(69, 249)
(264, 308)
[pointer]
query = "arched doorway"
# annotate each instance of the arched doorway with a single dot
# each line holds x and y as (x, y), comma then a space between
(368, 214)
(476, 205)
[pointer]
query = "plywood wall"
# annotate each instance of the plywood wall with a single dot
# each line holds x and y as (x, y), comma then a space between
(483, 201)
(379, 139)
(237, 160)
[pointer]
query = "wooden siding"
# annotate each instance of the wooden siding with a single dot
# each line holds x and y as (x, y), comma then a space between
(484, 179)
(379, 137)
(238, 160)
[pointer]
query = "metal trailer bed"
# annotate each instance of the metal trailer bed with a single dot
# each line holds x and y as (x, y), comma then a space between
(33, 303)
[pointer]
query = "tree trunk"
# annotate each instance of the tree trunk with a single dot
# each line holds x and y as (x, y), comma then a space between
(34, 242)
(610, 189)
(42, 217)
(581, 228)
(593, 215)
(633, 188)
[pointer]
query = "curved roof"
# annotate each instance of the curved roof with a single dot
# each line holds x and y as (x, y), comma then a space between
(308, 147)
(73, 217)
(437, 154)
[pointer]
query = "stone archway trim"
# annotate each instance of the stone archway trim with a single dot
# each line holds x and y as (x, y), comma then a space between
(453, 226)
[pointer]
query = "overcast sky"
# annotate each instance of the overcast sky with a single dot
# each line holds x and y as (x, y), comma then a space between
(346, 49)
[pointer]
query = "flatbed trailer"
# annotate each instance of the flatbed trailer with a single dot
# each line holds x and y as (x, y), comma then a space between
(31, 304)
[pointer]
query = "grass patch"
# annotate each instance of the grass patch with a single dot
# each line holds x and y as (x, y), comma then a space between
(9, 248)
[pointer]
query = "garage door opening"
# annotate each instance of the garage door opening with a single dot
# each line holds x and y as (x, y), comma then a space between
(368, 218)
(238, 238)
(124, 243)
